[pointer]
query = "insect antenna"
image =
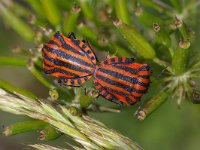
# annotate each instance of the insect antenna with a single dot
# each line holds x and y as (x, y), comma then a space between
(158, 76)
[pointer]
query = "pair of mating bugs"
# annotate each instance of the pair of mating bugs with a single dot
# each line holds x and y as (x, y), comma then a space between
(118, 79)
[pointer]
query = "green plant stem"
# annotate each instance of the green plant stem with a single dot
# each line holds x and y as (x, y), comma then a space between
(144, 16)
(85, 130)
(162, 63)
(152, 105)
(112, 47)
(163, 36)
(152, 5)
(179, 61)
(63, 94)
(37, 7)
(177, 5)
(70, 21)
(87, 32)
(22, 127)
(20, 10)
(12, 61)
(135, 40)
(87, 9)
(52, 11)
(122, 11)
(184, 32)
(16, 23)
(9, 87)
(120, 51)
(38, 75)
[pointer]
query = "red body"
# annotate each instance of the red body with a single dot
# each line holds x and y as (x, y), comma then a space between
(68, 59)
(120, 78)
(117, 79)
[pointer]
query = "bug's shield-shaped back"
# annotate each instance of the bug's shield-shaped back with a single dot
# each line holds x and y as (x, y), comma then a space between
(65, 59)
(122, 79)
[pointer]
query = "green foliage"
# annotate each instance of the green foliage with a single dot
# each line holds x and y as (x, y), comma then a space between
(158, 33)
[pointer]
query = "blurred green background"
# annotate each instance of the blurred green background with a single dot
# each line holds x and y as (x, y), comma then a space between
(167, 128)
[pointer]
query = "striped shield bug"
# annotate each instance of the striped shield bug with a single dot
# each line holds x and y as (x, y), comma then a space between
(70, 60)
(118, 79)
(121, 80)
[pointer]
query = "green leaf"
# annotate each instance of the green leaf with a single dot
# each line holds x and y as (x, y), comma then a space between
(7, 86)
(12, 61)
(151, 105)
(37, 7)
(70, 21)
(135, 39)
(122, 11)
(179, 60)
(87, 9)
(16, 23)
(22, 127)
(51, 11)
(147, 18)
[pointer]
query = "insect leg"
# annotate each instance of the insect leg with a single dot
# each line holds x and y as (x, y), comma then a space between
(71, 34)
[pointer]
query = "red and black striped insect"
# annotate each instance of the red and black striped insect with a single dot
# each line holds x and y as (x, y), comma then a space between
(70, 60)
(121, 80)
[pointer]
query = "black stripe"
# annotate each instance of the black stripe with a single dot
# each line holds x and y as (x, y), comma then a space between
(105, 94)
(144, 68)
(79, 81)
(89, 51)
(66, 80)
(77, 43)
(93, 58)
(120, 93)
(113, 60)
(62, 79)
(115, 91)
(96, 83)
(120, 59)
(53, 42)
(46, 64)
(128, 69)
(85, 78)
(72, 81)
(115, 100)
(59, 37)
(66, 56)
(133, 71)
(129, 60)
(122, 77)
(144, 76)
(100, 89)
(67, 46)
(84, 46)
(67, 65)
(60, 71)
(130, 101)
(74, 41)
(117, 84)
(112, 97)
